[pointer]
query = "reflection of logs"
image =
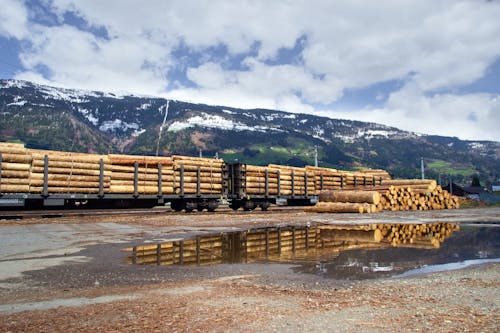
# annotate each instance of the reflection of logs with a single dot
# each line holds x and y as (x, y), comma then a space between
(286, 244)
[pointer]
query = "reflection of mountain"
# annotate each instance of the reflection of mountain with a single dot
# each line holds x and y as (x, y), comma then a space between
(342, 252)
(469, 243)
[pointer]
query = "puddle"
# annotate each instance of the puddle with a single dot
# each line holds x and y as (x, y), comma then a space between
(340, 252)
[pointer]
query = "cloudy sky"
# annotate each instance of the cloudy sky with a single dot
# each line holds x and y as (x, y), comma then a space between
(426, 66)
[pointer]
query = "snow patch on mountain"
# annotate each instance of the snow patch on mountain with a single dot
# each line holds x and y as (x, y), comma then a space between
(215, 121)
(117, 124)
(19, 103)
(89, 116)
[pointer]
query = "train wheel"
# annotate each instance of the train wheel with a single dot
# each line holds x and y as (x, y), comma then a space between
(248, 205)
(265, 205)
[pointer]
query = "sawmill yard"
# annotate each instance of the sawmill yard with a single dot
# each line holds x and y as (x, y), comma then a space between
(73, 273)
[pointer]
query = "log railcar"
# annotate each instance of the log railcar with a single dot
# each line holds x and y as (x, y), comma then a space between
(38, 179)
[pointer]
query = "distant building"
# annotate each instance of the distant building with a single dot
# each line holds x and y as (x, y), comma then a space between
(495, 187)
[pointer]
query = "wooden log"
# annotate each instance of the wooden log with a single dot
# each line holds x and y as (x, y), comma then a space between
(70, 183)
(117, 189)
(69, 157)
(68, 165)
(15, 174)
(335, 207)
(14, 188)
(118, 159)
(371, 197)
(66, 171)
(39, 189)
(15, 166)
(15, 158)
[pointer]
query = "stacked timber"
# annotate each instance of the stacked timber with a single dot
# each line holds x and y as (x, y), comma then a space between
(187, 171)
(294, 181)
(332, 179)
(256, 180)
(346, 201)
(68, 172)
(377, 173)
(141, 174)
(414, 194)
(15, 168)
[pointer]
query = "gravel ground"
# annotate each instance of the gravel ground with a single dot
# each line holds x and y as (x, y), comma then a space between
(62, 276)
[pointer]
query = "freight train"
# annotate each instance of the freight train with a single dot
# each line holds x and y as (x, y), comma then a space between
(43, 179)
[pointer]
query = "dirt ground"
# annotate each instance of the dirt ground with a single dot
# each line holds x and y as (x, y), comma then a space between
(69, 275)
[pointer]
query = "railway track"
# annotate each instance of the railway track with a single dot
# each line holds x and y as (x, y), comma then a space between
(67, 213)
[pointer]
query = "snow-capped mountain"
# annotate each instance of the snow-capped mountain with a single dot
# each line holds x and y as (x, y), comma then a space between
(68, 119)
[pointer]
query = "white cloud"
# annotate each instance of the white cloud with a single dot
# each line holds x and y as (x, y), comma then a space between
(471, 116)
(430, 45)
(13, 19)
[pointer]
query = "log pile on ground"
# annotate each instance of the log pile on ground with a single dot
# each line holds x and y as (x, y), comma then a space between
(346, 201)
(415, 194)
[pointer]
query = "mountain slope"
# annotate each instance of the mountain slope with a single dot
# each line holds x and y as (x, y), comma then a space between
(65, 119)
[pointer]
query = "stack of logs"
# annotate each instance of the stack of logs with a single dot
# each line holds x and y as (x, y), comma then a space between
(149, 170)
(392, 194)
(294, 180)
(23, 171)
(207, 170)
(16, 164)
(415, 194)
(332, 179)
(346, 201)
(256, 180)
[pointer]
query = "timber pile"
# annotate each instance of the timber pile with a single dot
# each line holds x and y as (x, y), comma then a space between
(256, 180)
(332, 179)
(208, 170)
(23, 171)
(294, 180)
(68, 172)
(414, 194)
(346, 201)
(153, 174)
(16, 164)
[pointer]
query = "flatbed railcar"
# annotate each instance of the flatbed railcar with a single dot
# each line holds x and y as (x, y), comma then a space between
(198, 184)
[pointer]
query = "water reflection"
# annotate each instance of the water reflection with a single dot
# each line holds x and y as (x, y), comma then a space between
(341, 251)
